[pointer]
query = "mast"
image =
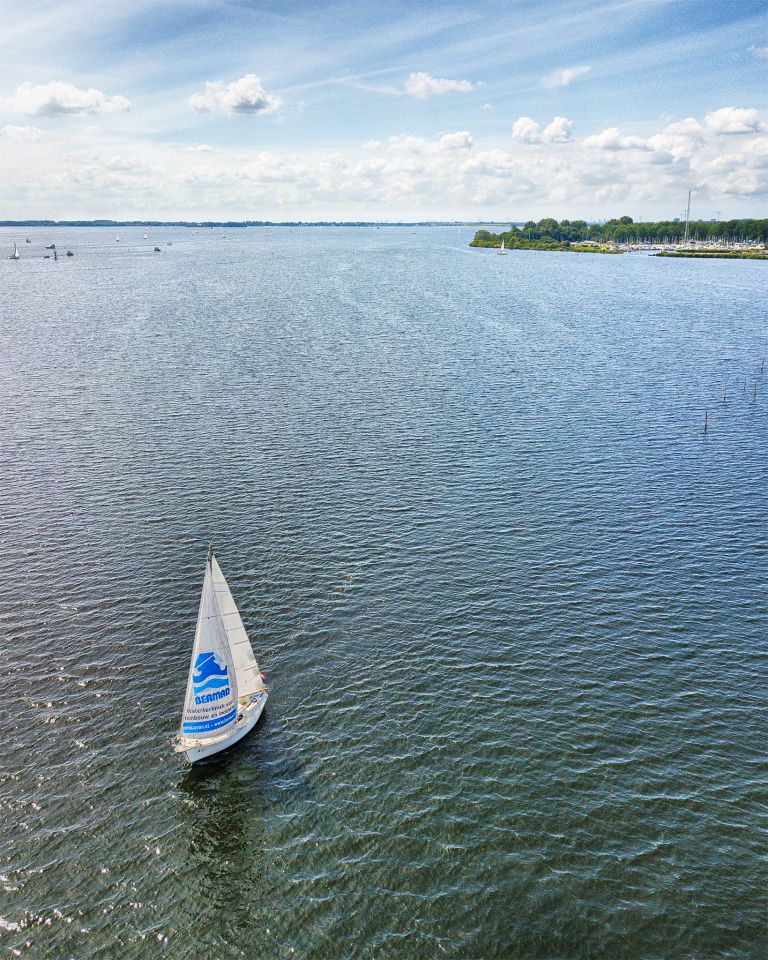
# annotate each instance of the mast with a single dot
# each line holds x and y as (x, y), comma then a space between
(687, 217)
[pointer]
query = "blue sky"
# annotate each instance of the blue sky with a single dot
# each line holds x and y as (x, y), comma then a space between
(186, 108)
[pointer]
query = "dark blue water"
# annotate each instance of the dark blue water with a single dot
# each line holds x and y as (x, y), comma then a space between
(510, 598)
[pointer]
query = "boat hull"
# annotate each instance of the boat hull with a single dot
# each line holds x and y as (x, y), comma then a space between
(251, 716)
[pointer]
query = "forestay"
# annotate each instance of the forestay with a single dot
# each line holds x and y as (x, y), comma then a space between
(249, 679)
(210, 708)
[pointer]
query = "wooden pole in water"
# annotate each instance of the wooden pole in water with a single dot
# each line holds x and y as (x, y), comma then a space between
(705, 421)
(725, 391)
(762, 364)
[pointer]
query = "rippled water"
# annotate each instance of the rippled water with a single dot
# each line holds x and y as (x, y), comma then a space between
(509, 596)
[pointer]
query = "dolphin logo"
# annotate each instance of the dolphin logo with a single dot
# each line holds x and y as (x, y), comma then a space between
(209, 673)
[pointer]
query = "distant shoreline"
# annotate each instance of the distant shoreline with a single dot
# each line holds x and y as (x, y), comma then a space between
(252, 223)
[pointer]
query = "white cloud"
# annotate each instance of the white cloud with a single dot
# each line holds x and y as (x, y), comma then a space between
(733, 120)
(22, 134)
(199, 148)
(451, 174)
(688, 127)
(461, 140)
(487, 106)
(57, 98)
(421, 85)
(406, 142)
(558, 131)
(243, 96)
(529, 131)
(759, 52)
(612, 139)
(565, 76)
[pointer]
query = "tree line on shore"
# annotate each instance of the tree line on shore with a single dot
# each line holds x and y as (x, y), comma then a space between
(548, 233)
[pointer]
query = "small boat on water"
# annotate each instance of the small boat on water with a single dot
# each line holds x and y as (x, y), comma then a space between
(69, 253)
(169, 243)
(15, 254)
(146, 237)
(50, 246)
(157, 250)
(502, 251)
(117, 238)
(226, 692)
(27, 240)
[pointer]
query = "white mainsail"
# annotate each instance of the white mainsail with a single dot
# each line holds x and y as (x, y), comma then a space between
(210, 707)
(249, 680)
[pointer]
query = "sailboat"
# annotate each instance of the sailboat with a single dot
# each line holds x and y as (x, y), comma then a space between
(145, 235)
(226, 692)
(15, 254)
(502, 251)
(117, 238)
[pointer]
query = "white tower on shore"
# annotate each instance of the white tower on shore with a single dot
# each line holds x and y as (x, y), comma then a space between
(687, 217)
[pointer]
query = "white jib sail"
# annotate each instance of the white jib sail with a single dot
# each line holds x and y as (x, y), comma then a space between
(210, 708)
(249, 679)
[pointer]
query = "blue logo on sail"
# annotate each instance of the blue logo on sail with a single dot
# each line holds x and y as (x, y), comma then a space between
(209, 679)
(210, 683)
(209, 674)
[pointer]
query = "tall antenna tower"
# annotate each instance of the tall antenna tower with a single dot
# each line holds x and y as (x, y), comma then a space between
(687, 216)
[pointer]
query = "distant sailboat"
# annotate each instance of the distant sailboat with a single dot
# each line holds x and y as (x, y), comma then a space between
(27, 240)
(146, 237)
(50, 246)
(502, 251)
(226, 692)
(117, 238)
(15, 254)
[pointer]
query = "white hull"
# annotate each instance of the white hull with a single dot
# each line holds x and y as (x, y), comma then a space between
(250, 718)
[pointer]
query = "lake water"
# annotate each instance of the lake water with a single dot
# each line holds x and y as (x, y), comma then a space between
(510, 598)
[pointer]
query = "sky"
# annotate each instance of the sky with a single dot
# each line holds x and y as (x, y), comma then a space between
(472, 110)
